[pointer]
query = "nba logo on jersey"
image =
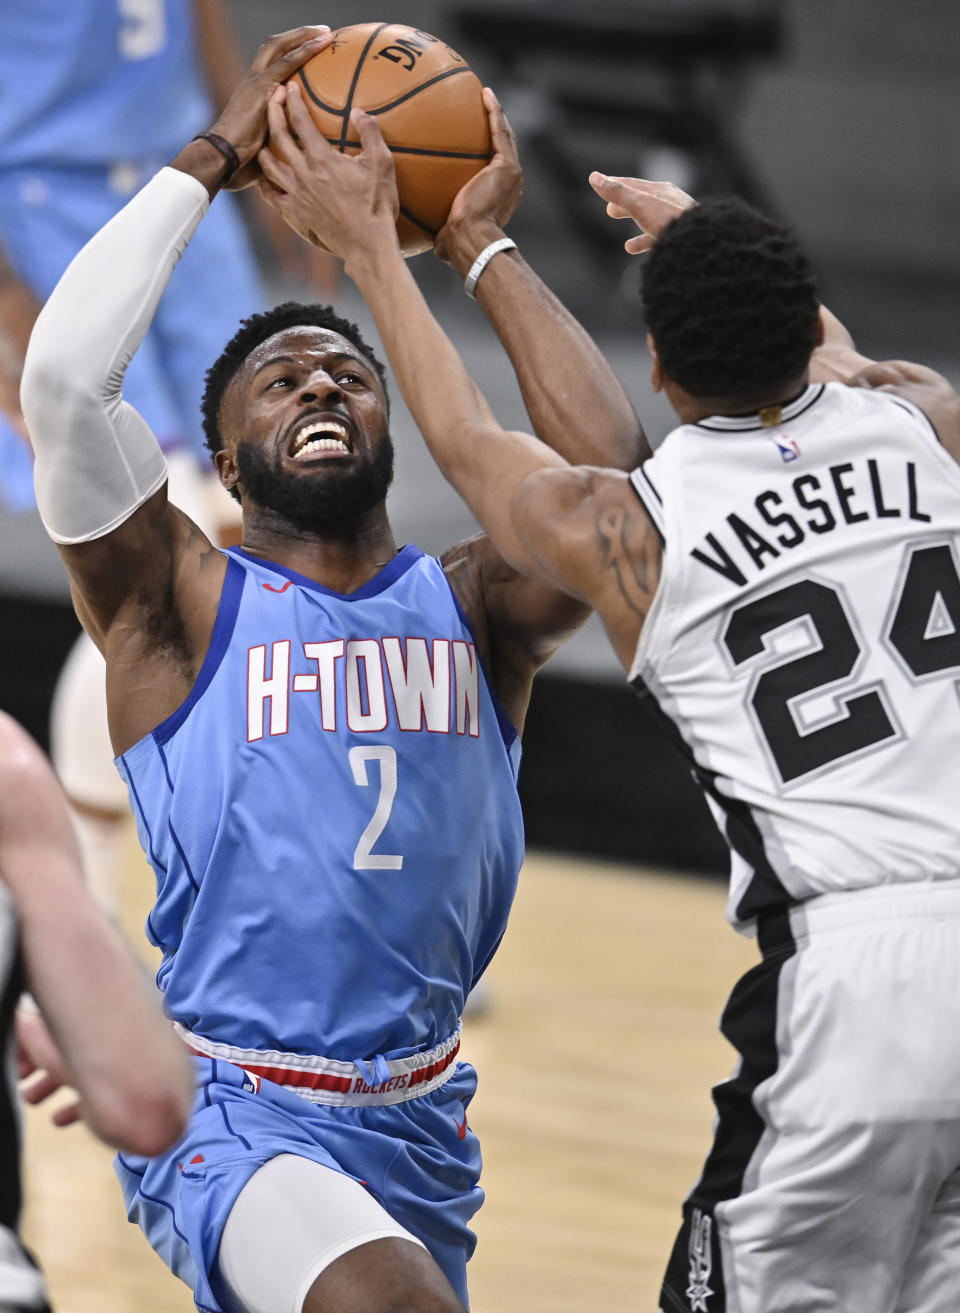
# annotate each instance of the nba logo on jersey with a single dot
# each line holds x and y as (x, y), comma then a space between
(787, 447)
(701, 1263)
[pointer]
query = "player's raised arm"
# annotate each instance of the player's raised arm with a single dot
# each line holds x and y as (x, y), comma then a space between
(96, 460)
(574, 399)
(351, 202)
(145, 581)
(579, 530)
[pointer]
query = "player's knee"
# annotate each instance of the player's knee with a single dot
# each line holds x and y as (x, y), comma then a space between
(389, 1275)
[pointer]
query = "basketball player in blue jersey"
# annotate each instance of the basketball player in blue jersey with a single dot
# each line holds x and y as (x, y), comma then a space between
(781, 581)
(91, 1024)
(320, 737)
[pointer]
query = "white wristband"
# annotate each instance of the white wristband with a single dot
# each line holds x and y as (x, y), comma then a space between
(482, 260)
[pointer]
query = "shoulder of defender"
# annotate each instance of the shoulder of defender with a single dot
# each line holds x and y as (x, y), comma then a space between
(929, 391)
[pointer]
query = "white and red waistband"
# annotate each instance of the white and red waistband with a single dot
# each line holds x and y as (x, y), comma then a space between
(333, 1081)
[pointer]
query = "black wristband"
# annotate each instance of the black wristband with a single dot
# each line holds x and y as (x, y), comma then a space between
(226, 150)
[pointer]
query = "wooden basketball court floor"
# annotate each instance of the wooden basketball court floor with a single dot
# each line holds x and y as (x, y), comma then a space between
(595, 1062)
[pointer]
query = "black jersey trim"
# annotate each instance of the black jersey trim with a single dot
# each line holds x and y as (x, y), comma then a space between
(749, 1023)
(916, 411)
(650, 500)
(10, 1178)
(764, 891)
(751, 423)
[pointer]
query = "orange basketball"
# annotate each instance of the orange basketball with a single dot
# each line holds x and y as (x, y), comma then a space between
(427, 103)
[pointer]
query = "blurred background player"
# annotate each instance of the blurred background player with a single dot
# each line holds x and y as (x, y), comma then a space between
(97, 1028)
(94, 97)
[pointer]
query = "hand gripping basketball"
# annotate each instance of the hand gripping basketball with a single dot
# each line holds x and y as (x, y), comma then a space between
(427, 102)
(339, 201)
(483, 206)
(243, 121)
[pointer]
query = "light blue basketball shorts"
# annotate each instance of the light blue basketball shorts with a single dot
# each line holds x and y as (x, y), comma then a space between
(418, 1159)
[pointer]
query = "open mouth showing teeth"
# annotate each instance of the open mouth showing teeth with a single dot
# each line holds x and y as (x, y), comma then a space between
(326, 435)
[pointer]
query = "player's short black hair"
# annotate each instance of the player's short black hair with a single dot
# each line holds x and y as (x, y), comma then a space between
(730, 301)
(256, 329)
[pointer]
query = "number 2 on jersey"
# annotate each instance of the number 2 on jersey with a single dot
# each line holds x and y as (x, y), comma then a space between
(364, 858)
(924, 633)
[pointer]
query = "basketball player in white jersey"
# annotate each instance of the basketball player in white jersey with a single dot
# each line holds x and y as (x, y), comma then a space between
(106, 1036)
(781, 582)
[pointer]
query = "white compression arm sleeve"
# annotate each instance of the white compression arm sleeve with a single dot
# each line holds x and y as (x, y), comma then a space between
(96, 459)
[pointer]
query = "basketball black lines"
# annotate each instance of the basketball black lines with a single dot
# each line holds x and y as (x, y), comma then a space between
(439, 142)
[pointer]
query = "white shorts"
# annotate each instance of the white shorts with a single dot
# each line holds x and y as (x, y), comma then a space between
(834, 1181)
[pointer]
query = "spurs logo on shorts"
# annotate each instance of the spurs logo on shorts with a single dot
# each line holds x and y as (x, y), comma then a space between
(701, 1263)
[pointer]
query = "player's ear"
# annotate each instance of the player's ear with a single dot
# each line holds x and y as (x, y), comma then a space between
(656, 369)
(226, 463)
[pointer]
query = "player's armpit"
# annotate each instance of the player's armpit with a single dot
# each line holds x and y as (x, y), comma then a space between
(522, 621)
(502, 603)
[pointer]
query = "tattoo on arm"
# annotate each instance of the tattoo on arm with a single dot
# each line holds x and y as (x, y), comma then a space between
(627, 550)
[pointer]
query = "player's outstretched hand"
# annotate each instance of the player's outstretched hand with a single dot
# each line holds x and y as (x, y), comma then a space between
(343, 202)
(243, 122)
(651, 205)
(38, 1056)
(483, 206)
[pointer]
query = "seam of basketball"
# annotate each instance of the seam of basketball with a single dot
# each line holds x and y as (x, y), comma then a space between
(316, 99)
(353, 84)
(418, 222)
(408, 95)
(419, 150)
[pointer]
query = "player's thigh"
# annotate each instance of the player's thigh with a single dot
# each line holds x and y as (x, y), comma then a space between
(305, 1237)
(931, 1282)
(838, 1129)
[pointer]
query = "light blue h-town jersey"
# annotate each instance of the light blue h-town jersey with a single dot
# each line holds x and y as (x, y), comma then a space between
(332, 817)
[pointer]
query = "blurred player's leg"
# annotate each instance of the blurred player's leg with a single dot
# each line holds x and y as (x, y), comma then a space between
(81, 751)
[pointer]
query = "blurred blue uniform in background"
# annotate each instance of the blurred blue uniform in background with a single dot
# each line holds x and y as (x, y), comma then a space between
(95, 96)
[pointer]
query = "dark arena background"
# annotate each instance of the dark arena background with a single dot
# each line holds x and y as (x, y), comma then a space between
(843, 118)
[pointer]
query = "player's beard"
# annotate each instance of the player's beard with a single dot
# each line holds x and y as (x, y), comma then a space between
(328, 502)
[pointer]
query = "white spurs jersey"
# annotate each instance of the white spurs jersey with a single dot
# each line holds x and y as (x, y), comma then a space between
(804, 640)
